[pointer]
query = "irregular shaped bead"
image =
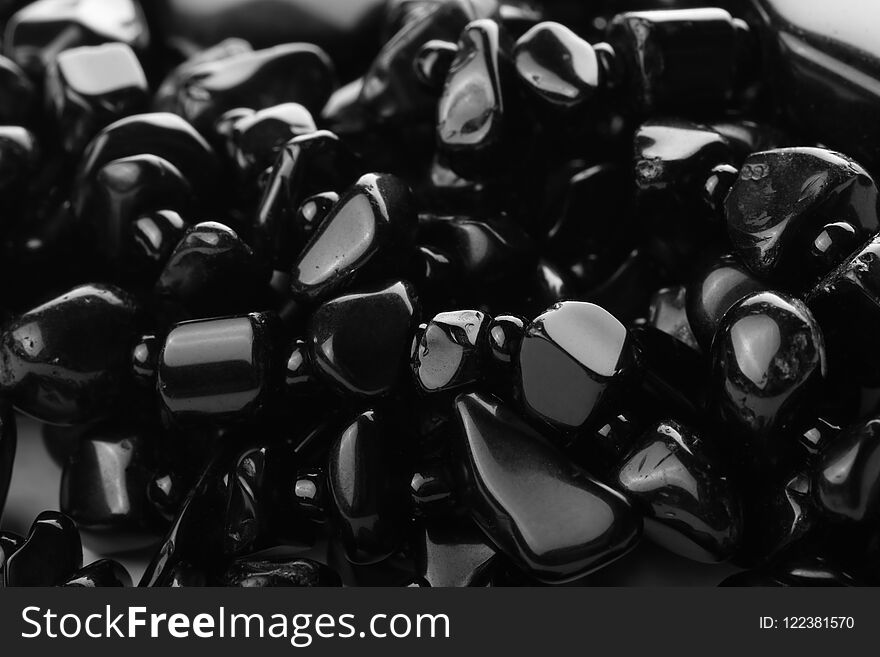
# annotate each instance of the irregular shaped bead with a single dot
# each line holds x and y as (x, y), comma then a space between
(51, 553)
(692, 507)
(767, 358)
(542, 512)
(450, 352)
(260, 573)
(221, 370)
(40, 31)
(8, 438)
(67, 361)
(847, 475)
(16, 93)
(433, 61)
(667, 313)
(291, 73)
(211, 273)
(453, 555)
(713, 291)
(782, 202)
(676, 60)
(90, 87)
(172, 86)
(166, 492)
(570, 362)
(313, 211)
(505, 334)
(557, 65)
(104, 483)
(369, 231)
(367, 493)
(100, 574)
(154, 236)
(359, 342)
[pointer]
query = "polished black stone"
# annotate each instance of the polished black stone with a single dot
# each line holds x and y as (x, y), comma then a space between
(667, 313)
(571, 360)
(51, 553)
(433, 61)
(100, 574)
(67, 361)
(539, 509)
(256, 572)
(37, 33)
(847, 475)
(8, 437)
(313, 210)
(504, 335)
(19, 159)
(17, 93)
(221, 370)
(368, 233)
(711, 293)
(557, 65)
(368, 494)
(9, 543)
(768, 357)
(90, 87)
(359, 342)
(453, 554)
(779, 207)
(692, 507)
(450, 352)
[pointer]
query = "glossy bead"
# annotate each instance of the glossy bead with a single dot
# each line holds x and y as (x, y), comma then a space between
(104, 483)
(159, 134)
(676, 60)
(313, 211)
(90, 87)
(165, 493)
(292, 73)
(472, 116)
(541, 511)
(667, 313)
(450, 352)
(717, 186)
(433, 61)
(692, 507)
(372, 226)
(211, 273)
(221, 370)
(359, 342)
(16, 93)
(430, 492)
(571, 359)
(847, 475)
(154, 236)
(367, 494)
(176, 79)
(67, 361)
(557, 65)
(712, 292)
(299, 376)
(38, 32)
(51, 553)
(310, 494)
(453, 555)
(505, 334)
(782, 202)
(768, 356)
(260, 573)
(100, 574)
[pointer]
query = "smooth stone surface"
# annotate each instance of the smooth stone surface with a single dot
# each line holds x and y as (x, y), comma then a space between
(450, 352)
(504, 335)
(359, 342)
(453, 554)
(847, 475)
(540, 510)
(433, 61)
(51, 553)
(693, 508)
(67, 361)
(667, 313)
(370, 230)
(367, 492)
(100, 574)
(570, 361)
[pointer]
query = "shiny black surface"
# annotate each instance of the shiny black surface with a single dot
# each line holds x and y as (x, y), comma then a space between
(449, 353)
(255, 572)
(668, 313)
(51, 553)
(504, 335)
(100, 574)
(847, 475)
(540, 510)
(453, 554)
(16, 93)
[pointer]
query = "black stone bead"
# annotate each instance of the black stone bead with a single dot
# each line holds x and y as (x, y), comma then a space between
(88, 88)
(291, 73)
(369, 232)
(783, 200)
(692, 508)
(38, 32)
(453, 554)
(668, 313)
(211, 273)
(221, 370)
(310, 494)
(8, 437)
(433, 61)
(450, 352)
(51, 553)
(504, 335)
(768, 358)
(572, 359)
(178, 77)
(368, 495)
(431, 492)
(104, 484)
(16, 93)
(359, 342)
(717, 186)
(299, 374)
(100, 574)
(166, 492)
(847, 477)
(676, 60)
(557, 65)
(601, 450)
(256, 572)
(154, 236)
(540, 510)
(68, 361)
(313, 211)
(712, 292)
